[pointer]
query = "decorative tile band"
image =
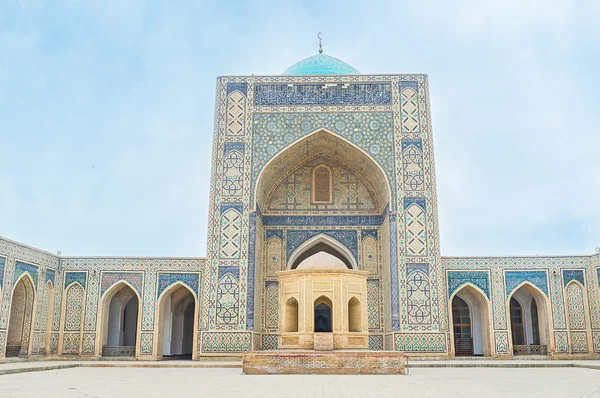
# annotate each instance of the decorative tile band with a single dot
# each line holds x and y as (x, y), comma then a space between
(457, 279)
(241, 87)
(110, 278)
(325, 221)
(323, 94)
(79, 277)
(2, 262)
(346, 237)
(166, 279)
(536, 278)
(21, 268)
(50, 276)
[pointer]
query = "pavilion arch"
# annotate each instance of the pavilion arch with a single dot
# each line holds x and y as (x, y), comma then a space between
(323, 314)
(354, 315)
(320, 243)
(322, 141)
(537, 337)
(105, 315)
(176, 293)
(479, 320)
(21, 313)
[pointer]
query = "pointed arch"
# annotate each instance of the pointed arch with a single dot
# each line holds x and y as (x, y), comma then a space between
(523, 293)
(313, 143)
(576, 306)
(72, 318)
(21, 314)
(338, 249)
(480, 318)
(103, 320)
(161, 306)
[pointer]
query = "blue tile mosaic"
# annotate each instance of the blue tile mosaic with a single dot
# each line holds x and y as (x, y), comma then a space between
(241, 87)
(235, 271)
(415, 143)
(346, 237)
(2, 262)
(50, 276)
(323, 94)
(274, 232)
(573, 275)
(457, 279)
(79, 277)
(394, 272)
(233, 146)
(166, 279)
(251, 271)
(369, 232)
(236, 206)
(418, 201)
(536, 278)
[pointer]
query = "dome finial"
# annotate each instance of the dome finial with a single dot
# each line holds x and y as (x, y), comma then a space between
(320, 44)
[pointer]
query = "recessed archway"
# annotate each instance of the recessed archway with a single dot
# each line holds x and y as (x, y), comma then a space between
(21, 317)
(176, 318)
(470, 322)
(291, 315)
(527, 309)
(354, 315)
(120, 318)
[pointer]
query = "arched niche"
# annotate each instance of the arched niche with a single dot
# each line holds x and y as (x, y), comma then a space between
(20, 320)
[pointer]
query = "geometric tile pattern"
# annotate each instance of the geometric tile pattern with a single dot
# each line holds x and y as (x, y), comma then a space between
(233, 169)
(576, 307)
(416, 228)
(74, 307)
(269, 342)
(22, 267)
(412, 164)
(410, 110)
(236, 108)
(166, 279)
(376, 342)
(271, 305)
(373, 305)
(228, 296)
(420, 342)
(348, 238)
(501, 342)
(418, 294)
(231, 229)
(579, 342)
(226, 342)
(79, 277)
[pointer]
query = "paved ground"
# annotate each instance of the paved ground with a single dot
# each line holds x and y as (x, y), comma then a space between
(186, 382)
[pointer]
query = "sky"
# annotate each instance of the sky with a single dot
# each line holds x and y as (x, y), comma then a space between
(106, 113)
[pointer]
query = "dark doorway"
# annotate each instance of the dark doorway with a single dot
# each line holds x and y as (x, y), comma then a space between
(323, 318)
(516, 321)
(461, 319)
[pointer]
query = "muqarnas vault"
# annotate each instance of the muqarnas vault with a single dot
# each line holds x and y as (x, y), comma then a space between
(323, 219)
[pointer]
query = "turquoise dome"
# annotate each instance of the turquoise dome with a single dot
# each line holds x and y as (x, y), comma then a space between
(321, 64)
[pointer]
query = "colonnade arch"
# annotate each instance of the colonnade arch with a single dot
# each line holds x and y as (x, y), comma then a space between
(119, 320)
(470, 322)
(20, 320)
(525, 305)
(176, 320)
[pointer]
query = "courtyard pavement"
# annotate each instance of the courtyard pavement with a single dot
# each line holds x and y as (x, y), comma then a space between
(219, 382)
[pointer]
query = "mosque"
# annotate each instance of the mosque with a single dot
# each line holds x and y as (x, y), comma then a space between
(323, 220)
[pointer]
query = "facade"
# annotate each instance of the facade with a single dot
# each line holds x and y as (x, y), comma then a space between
(323, 219)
